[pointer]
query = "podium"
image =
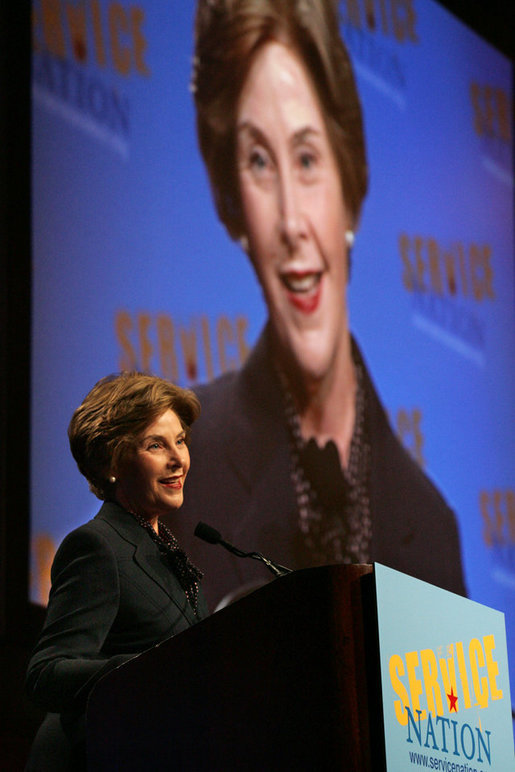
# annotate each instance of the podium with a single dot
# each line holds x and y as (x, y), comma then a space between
(274, 681)
(332, 668)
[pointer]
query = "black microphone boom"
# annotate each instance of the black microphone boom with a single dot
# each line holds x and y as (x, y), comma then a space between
(208, 533)
(212, 536)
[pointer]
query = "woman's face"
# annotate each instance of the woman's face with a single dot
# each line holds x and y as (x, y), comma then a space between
(293, 209)
(151, 478)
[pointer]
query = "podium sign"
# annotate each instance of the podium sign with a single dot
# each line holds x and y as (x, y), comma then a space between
(444, 679)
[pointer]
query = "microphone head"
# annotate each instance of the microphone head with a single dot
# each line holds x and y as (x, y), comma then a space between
(207, 533)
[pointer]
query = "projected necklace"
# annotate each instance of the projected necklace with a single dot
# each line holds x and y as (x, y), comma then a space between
(333, 503)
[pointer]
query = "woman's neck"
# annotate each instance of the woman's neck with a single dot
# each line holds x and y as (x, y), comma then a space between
(152, 520)
(327, 405)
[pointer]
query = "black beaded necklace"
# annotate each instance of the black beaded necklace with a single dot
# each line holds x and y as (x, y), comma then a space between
(189, 576)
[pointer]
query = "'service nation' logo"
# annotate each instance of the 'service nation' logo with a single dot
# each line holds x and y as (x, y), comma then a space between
(375, 33)
(82, 57)
(433, 688)
(447, 284)
(492, 120)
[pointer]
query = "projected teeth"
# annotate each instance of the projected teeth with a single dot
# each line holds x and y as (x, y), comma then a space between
(300, 282)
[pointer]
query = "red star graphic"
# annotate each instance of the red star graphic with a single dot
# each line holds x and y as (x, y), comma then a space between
(452, 701)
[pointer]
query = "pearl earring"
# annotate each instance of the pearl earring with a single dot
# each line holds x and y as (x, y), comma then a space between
(112, 479)
(349, 238)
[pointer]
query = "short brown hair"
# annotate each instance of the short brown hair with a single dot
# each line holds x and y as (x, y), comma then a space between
(116, 410)
(228, 34)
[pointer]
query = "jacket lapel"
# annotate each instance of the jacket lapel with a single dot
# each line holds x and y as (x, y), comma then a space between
(145, 555)
(259, 452)
(258, 437)
(394, 527)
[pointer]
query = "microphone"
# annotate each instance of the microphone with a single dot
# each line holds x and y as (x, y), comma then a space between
(212, 536)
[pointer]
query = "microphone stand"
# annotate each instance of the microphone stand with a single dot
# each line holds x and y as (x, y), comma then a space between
(212, 536)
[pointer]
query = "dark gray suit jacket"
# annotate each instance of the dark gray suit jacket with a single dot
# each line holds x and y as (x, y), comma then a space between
(113, 596)
(240, 482)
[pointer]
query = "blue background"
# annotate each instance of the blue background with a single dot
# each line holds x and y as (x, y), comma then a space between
(123, 222)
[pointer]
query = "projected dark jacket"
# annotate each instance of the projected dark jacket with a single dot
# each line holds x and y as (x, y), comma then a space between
(240, 483)
(113, 596)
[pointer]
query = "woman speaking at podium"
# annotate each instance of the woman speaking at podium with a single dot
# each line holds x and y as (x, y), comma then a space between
(120, 583)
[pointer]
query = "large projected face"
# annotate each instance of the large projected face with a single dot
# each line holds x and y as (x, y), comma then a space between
(293, 210)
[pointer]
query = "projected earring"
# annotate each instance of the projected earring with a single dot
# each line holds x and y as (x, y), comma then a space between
(349, 240)
(244, 243)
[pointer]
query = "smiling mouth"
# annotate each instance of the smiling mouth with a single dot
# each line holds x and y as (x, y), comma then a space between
(172, 482)
(304, 289)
